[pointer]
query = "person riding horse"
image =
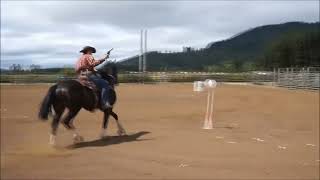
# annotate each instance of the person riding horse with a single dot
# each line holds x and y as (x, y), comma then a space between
(74, 94)
(85, 66)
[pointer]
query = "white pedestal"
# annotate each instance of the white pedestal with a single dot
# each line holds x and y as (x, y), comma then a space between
(208, 85)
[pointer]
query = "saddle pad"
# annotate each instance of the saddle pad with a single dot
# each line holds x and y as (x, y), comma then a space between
(84, 81)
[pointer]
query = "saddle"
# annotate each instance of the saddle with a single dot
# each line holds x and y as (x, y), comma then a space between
(84, 81)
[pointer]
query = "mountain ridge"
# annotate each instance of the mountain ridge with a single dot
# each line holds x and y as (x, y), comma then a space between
(247, 46)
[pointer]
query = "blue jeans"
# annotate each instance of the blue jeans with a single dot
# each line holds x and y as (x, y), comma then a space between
(103, 86)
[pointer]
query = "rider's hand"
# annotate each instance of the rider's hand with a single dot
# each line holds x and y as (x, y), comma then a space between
(107, 56)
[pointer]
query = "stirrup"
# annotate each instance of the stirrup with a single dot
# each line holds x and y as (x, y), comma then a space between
(106, 106)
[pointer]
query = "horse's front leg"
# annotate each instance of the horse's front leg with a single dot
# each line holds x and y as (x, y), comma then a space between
(68, 123)
(54, 128)
(55, 123)
(105, 123)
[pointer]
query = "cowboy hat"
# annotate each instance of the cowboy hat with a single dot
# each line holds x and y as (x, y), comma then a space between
(87, 48)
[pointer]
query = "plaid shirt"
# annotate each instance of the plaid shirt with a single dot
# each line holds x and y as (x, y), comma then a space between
(86, 62)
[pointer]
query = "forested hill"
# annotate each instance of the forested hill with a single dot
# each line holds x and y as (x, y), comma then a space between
(251, 49)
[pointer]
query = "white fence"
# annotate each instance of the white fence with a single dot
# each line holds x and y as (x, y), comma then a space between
(255, 77)
(298, 78)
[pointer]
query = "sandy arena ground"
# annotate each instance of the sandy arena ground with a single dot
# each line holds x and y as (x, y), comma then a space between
(265, 133)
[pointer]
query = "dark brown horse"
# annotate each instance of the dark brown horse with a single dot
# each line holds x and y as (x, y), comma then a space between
(73, 96)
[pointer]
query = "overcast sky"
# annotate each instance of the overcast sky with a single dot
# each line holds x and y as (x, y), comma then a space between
(51, 33)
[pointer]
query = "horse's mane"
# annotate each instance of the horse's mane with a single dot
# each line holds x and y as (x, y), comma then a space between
(107, 69)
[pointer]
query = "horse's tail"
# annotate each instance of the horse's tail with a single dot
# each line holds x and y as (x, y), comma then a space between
(47, 102)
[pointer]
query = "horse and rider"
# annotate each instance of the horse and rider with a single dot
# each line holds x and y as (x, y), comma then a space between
(93, 89)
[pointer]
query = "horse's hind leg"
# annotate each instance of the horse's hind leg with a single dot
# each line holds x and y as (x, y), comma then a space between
(68, 123)
(55, 123)
(121, 130)
(107, 113)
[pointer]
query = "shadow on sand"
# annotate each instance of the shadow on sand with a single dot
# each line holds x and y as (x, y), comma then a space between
(109, 140)
(223, 127)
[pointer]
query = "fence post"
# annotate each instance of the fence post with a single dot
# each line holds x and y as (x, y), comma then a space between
(274, 77)
(279, 77)
(308, 79)
(294, 82)
(287, 78)
(303, 78)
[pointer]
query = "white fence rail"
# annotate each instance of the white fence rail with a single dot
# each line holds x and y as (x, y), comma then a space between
(255, 77)
(298, 78)
(292, 78)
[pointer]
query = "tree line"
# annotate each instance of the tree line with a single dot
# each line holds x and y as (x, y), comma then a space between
(294, 50)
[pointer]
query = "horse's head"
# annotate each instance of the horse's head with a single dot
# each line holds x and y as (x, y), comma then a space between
(109, 72)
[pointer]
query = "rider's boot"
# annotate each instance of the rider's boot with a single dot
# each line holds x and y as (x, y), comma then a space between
(105, 97)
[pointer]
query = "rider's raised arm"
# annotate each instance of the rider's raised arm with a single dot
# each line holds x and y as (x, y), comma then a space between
(104, 58)
(94, 62)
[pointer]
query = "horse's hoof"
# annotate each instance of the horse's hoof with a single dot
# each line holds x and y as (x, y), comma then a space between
(78, 139)
(104, 137)
(103, 134)
(122, 132)
(81, 139)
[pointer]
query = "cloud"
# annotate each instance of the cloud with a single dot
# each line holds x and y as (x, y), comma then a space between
(51, 33)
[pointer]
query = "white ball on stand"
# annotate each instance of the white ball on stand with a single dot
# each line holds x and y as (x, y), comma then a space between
(210, 83)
